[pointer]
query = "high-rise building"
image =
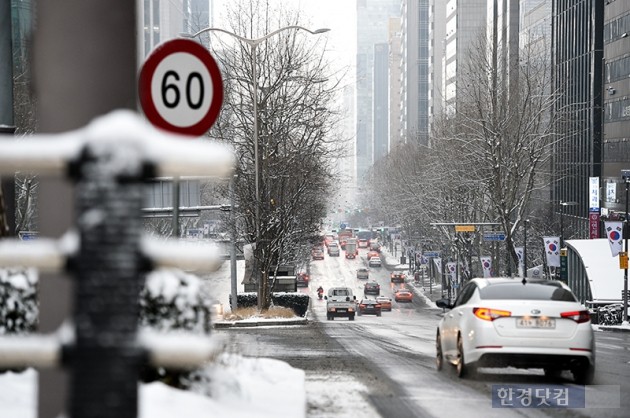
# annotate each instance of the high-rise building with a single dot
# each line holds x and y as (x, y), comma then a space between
(535, 26)
(395, 82)
(465, 26)
(437, 42)
(380, 101)
(502, 31)
(161, 20)
(616, 99)
(577, 52)
(415, 71)
(372, 28)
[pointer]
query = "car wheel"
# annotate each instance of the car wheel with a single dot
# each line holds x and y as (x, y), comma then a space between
(439, 357)
(378, 314)
(584, 375)
(462, 368)
(552, 373)
(351, 317)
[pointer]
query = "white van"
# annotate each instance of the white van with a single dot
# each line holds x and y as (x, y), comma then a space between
(333, 249)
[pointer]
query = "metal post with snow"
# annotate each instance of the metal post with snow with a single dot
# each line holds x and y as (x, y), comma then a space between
(109, 160)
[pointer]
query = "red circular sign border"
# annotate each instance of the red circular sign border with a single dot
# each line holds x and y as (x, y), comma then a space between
(148, 70)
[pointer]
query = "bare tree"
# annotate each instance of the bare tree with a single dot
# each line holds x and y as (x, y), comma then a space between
(295, 131)
(489, 161)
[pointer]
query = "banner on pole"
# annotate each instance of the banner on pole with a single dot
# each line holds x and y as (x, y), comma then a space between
(552, 251)
(614, 233)
(486, 265)
(438, 264)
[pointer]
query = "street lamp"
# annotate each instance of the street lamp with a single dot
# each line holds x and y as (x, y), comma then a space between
(562, 210)
(525, 248)
(625, 174)
(253, 44)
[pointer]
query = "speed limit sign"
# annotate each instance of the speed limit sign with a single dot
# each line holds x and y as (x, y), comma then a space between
(180, 87)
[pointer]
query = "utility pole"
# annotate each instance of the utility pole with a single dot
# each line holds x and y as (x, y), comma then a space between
(84, 65)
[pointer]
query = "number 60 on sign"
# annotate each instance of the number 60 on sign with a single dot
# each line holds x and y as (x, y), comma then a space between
(180, 87)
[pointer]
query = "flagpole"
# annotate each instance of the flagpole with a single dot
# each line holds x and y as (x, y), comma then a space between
(625, 271)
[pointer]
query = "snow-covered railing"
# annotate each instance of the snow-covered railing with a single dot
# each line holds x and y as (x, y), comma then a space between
(109, 160)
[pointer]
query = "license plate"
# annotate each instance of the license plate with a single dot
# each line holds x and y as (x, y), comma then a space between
(547, 323)
(341, 310)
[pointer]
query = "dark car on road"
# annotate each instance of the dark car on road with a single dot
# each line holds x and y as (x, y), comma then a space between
(372, 288)
(398, 276)
(363, 273)
(369, 307)
(302, 280)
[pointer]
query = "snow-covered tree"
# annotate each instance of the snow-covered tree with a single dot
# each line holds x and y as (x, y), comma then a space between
(487, 162)
(295, 138)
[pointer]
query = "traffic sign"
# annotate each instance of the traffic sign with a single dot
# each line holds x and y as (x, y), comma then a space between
(464, 228)
(494, 236)
(180, 87)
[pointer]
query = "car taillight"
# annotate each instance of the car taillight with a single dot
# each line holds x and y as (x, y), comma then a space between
(577, 316)
(488, 314)
(378, 305)
(362, 306)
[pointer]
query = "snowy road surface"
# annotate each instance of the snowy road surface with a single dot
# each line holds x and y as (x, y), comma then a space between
(384, 366)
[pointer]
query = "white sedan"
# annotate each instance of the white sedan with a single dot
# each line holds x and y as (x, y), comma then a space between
(374, 262)
(501, 322)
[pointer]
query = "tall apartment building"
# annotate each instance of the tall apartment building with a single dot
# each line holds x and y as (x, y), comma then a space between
(577, 52)
(465, 25)
(616, 99)
(372, 28)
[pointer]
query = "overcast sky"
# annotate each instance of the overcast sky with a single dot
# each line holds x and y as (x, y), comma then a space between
(337, 15)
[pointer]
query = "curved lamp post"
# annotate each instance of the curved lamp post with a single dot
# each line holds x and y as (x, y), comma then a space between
(253, 44)
(563, 206)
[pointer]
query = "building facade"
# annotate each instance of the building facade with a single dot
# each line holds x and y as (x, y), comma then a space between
(395, 82)
(415, 70)
(372, 28)
(437, 42)
(616, 93)
(577, 52)
(465, 26)
(503, 19)
(380, 104)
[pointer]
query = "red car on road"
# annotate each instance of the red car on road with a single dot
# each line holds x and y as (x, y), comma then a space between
(403, 295)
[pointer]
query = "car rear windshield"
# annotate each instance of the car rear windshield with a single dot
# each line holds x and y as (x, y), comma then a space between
(529, 291)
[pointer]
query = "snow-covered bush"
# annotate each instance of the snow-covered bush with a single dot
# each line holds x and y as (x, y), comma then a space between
(19, 310)
(297, 301)
(172, 299)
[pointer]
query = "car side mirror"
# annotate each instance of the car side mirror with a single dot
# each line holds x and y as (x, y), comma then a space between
(326, 297)
(443, 303)
(347, 298)
(354, 297)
